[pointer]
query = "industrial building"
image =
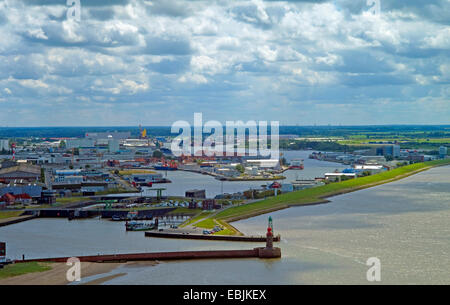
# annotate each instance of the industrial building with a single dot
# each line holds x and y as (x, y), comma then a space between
(4, 145)
(442, 152)
(26, 172)
(105, 135)
(195, 194)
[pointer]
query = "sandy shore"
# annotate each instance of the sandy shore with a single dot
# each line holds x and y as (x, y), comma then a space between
(57, 275)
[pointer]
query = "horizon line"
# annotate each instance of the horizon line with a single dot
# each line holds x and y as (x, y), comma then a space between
(288, 125)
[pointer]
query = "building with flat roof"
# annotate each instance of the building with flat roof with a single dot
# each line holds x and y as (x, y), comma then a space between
(265, 163)
(4, 145)
(105, 135)
(21, 172)
(196, 194)
(442, 152)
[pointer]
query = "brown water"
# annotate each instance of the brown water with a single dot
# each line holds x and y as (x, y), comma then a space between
(405, 224)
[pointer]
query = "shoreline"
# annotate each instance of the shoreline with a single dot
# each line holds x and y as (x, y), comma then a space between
(57, 274)
(323, 198)
(224, 178)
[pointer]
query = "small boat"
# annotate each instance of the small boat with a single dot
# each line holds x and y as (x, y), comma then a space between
(116, 218)
(297, 164)
(139, 226)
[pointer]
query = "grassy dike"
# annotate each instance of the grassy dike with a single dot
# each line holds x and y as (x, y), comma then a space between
(22, 268)
(318, 194)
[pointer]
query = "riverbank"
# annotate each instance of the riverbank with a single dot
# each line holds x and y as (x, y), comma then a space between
(320, 194)
(53, 273)
(12, 217)
(234, 179)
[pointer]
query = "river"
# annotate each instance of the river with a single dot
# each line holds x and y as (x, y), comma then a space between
(405, 224)
(183, 181)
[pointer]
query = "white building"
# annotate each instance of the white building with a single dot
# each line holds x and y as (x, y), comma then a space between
(442, 152)
(77, 143)
(265, 163)
(113, 145)
(4, 145)
(373, 169)
(69, 179)
(105, 135)
(396, 151)
(338, 176)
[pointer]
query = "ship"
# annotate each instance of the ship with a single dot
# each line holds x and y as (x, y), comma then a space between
(160, 166)
(165, 168)
(297, 164)
(139, 226)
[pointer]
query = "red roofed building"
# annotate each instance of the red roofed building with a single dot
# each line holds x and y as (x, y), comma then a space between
(275, 185)
(23, 198)
(8, 199)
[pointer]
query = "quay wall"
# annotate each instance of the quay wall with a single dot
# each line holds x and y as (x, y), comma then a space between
(16, 220)
(183, 255)
(210, 237)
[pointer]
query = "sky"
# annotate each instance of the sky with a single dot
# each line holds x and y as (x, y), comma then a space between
(131, 62)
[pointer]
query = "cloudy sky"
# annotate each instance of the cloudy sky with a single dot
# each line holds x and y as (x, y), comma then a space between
(131, 62)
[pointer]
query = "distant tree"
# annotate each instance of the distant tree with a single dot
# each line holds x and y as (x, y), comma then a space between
(240, 168)
(62, 144)
(42, 175)
(344, 178)
(157, 154)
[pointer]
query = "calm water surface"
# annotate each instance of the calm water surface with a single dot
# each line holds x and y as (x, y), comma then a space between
(183, 181)
(405, 224)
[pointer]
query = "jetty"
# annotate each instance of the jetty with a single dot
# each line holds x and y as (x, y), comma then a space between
(209, 236)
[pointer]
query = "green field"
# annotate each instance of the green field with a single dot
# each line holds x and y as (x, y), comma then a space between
(22, 268)
(135, 171)
(196, 218)
(316, 195)
(67, 200)
(10, 214)
(208, 223)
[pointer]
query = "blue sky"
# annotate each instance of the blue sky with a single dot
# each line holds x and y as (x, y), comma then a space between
(131, 62)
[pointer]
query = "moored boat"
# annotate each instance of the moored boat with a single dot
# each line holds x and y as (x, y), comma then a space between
(139, 226)
(297, 164)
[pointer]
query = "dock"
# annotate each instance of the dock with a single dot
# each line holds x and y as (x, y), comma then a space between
(14, 220)
(210, 237)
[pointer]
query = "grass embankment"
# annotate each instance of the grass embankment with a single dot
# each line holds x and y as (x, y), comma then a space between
(210, 223)
(317, 194)
(135, 171)
(23, 268)
(186, 211)
(10, 214)
(195, 219)
(66, 200)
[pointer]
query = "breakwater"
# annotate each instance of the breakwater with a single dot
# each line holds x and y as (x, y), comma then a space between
(15, 220)
(210, 237)
(182, 255)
